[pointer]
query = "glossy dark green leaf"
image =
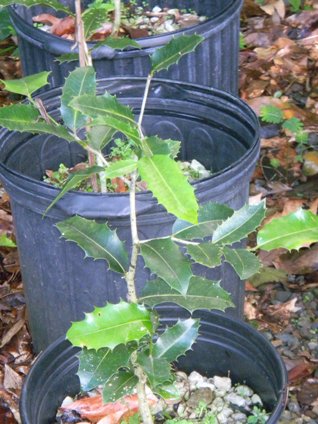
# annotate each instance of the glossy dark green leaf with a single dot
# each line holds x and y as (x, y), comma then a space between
(28, 85)
(157, 146)
(93, 19)
(74, 180)
(111, 326)
(240, 224)
(97, 240)
(119, 385)
(172, 52)
(168, 184)
(158, 369)
(79, 82)
(99, 136)
(245, 263)
(210, 216)
(201, 294)
(120, 43)
(176, 340)
(292, 231)
(206, 254)
(120, 168)
(26, 118)
(97, 366)
(107, 110)
(164, 258)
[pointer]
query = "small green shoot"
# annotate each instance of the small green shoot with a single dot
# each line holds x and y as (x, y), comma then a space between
(6, 242)
(259, 416)
(292, 126)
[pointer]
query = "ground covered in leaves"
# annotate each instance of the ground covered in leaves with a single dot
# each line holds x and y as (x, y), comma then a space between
(279, 79)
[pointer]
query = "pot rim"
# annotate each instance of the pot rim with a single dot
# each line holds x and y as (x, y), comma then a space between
(227, 98)
(226, 321)
(213, 24)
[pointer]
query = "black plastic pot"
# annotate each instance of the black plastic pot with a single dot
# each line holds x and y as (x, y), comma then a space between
(215, 128)
(214, 63)
(224, 346)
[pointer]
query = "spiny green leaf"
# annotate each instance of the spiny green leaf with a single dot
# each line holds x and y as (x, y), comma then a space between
(176, 340)
(268, 275)
(201, 294)
(68, 57)
(107, 110)
(210, 216)
(6, 242)
(206, 254)
(97, 240)
(240, 224)
(99, 136)
(74, 180)
(158, 369)
(293, 124)
(93, 19)
(111, 326)
(168, 184)
(170, 54)
(55, 4)
(130, 131)
(156, 146)
(168, 391)
(26, 118)
(97, 366)
(106, 105)
(292, 231)
(119, 385)
(164, 258)
(28, 85)
(271, 114)
(118, 43)
(245, 263)
(79, 82)
(120, 168)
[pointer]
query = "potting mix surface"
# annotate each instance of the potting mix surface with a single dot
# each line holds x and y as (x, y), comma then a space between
(279, 80)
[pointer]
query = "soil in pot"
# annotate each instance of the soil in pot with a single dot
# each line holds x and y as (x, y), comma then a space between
(136, 22)
(214, 63)
(202, 400)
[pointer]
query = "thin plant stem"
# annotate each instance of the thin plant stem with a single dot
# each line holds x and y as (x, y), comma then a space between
(144, 101)
(117, 17)
(130, 276)
(144, 409)
(84, 55)
(132, 297)
(84, 60)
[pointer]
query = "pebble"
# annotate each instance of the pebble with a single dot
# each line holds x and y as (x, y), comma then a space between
(239, 417)
(235, 399)
(222, 383)
(256, 400)
(244, 391)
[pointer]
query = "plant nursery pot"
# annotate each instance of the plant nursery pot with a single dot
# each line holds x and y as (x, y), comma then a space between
(216, 128)
(223, 344)
(214, 63)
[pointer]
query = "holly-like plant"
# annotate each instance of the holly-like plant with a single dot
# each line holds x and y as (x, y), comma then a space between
(123, 349)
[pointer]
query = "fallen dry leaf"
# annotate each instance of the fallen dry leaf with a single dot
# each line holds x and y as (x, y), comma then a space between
(301, 371)
(94, 409)
(308, 393)
(12, 380)
(12, 332)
